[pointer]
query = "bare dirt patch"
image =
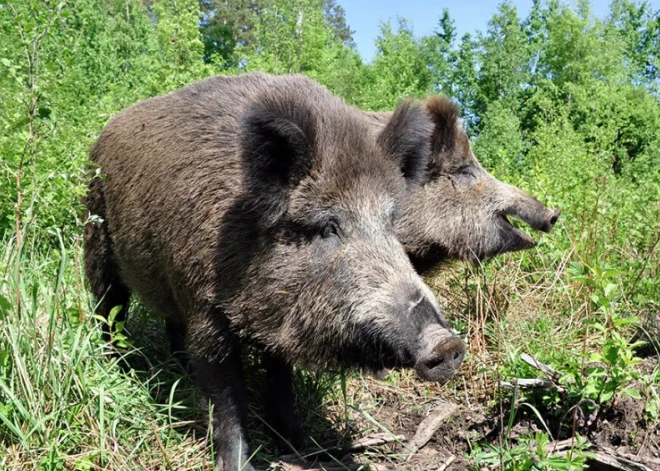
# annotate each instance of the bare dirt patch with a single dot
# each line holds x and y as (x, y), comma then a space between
(623, 433)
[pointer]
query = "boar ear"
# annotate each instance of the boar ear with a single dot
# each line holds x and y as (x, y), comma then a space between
(447, 134)
(406, 138)
(277, 142)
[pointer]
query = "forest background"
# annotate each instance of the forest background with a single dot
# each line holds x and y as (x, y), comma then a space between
(559, 103)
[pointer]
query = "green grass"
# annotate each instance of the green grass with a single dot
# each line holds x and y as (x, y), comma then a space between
(66, 402)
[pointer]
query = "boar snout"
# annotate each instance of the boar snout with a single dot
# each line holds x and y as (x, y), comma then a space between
(531, 211)
(441, 354)
(443, 361)
(551, 220)
(430, 346)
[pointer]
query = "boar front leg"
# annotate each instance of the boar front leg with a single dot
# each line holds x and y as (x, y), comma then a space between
(222, 386)
(280, 402)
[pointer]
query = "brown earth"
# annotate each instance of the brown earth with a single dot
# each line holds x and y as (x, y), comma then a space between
(622, 431)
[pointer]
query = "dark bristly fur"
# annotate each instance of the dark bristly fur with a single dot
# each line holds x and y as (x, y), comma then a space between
(407, 128)
(460, 211)
(259, 209)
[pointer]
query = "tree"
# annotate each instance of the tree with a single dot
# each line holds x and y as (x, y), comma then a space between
(226, 24)
(295, 36)
(336, 18)
(504, 60)
(439, 54)
(399, 69)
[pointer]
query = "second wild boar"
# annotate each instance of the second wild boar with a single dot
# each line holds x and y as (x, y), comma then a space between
(461, 211)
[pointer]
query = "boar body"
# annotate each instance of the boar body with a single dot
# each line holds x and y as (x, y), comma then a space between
(259, 210)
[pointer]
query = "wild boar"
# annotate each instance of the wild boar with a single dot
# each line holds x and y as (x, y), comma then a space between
(461, 211)
(259, 210)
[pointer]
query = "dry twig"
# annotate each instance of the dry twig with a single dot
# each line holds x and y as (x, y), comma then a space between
(282, 466)
(430, 425)
(375, 439)
(554, 375)
(606, 462)
(447, 463)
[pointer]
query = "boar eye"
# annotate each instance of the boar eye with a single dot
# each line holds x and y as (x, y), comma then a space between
(465, 170)
(330, 230)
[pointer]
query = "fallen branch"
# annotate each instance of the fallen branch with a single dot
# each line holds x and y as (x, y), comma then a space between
(447, 463)
(605, 462)
(630, 456)
(528, 384)
(282, 466)
(429, 426)
(554, 375)
(358, 444)
(376, 439)
(563, 445)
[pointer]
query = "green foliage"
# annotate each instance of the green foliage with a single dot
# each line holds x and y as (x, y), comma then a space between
(295, 37)
(530, 454)
(65, 403)
(500, 145)
(67, 68)
(399, 69)
(609, 370)
(504, 58)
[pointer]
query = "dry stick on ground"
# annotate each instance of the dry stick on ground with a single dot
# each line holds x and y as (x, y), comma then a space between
(563, 445)
(162, 448)
(648, 460)
(447, 463)
(430, 425)
(359, 444)
(527, 383)
(601, 461)
(331, 467)
(604, 462)
(554, 375)
(536, 383)
(375, 439)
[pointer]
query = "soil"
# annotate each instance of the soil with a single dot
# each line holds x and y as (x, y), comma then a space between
(621, 431)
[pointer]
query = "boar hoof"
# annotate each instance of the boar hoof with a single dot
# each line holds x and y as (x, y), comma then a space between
(289, 433)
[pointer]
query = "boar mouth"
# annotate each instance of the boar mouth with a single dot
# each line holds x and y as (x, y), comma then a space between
(516, 239)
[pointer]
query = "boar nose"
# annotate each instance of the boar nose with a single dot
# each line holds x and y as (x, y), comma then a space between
(440, 352)
(551, 220)
(443, 362)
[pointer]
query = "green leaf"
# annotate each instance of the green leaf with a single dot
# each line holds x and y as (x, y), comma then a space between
(634, 393)
(611, 354)
(606, 396)
(113, 314)
(5, 306)
(609, 289)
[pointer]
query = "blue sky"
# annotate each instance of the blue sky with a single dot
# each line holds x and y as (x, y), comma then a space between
(364, 16)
